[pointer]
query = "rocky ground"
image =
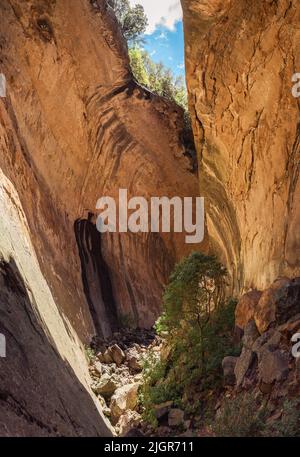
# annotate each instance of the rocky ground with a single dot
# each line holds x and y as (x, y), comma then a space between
(266, 369)
(267, 322)
(116, 375)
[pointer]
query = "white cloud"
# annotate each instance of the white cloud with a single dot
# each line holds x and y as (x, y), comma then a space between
(162, 36)
(161, 12)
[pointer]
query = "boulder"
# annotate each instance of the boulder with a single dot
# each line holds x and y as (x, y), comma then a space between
(134, 433)
(246, 308)
(138, 377)
(117, 354)
(278, 303)
(106, 357)
(269, 340)
(250, 334)
(100, 357)
(98, 368)
(134, 359)
(273, 366)
(291, 327)
(243, 364)
(106, 386)
(137, 347)
(124, 398)
(175, 417)
(128, 421)
(265, 389)
(228, 365)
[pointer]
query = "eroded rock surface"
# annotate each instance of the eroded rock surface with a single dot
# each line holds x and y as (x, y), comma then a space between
(241, 56)
(75, 126)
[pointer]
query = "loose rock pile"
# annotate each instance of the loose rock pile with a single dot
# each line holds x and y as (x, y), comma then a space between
(267, 321)
(116, 373)
(265, 324)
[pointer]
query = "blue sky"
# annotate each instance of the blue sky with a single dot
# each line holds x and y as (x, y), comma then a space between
(164, 35)
(167, 46)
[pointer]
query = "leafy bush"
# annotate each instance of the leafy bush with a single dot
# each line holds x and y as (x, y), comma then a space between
(240, 417)
(244, 416)
(151, 393)
(157, 78)
(289, 424)
(132, 19)
(156, 389)
(196, 288)
(90, 353)
(198, 327)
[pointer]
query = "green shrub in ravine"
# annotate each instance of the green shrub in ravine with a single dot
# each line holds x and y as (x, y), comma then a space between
(246, 416)
(155, 388)
(195, 290)
(197, 319)
(197, 324)
(90, 353)
(289, 423)
(242, 416)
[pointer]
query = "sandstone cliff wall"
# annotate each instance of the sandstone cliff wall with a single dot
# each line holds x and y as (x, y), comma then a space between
(78, 127)
(74, 126)
(240, 58)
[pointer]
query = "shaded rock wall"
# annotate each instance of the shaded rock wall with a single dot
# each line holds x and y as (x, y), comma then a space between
(44, 397)
(96, 278)
(44, 380)
(240, 58)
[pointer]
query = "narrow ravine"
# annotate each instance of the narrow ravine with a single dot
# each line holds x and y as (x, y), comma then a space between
(146, 329)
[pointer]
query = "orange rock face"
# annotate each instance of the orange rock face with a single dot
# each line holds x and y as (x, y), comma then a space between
(74, 126)
(77, 127)
(241, 56)
(246, 307)
(278, 304)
